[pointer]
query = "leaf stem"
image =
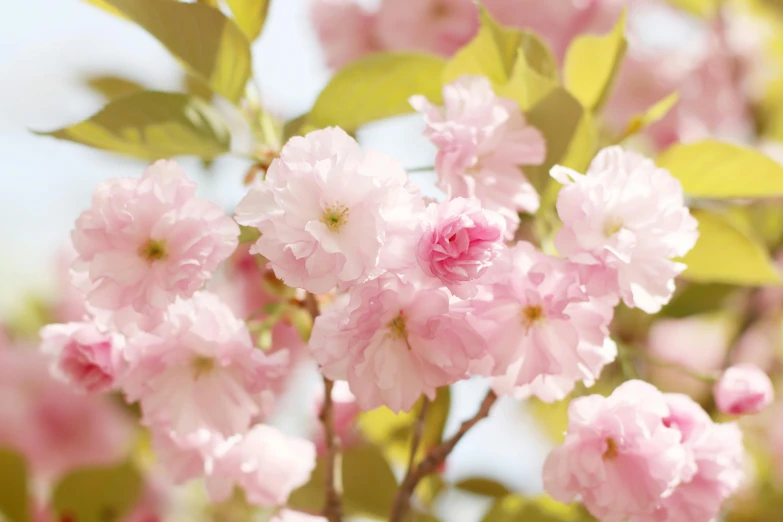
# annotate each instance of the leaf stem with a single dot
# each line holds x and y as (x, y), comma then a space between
(434, 458)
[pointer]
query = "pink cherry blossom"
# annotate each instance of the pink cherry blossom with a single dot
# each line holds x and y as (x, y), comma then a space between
(345, 30)
(56, 429)
(743, 389)
(716, 458)
(624, 222)
(326, 210)
(618, 455)
(482, 142)
(539, 324)
(459, 242)
(199, 370)
(287, 515)
(146, 241)
(394, 341)
(86, 357)
(267, 464)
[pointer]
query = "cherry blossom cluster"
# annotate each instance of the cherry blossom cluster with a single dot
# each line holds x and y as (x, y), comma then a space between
(421, 295)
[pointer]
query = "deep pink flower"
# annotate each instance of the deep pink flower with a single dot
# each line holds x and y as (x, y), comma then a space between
(618, 455)
(326, 210)
(86, 357)
(146, 241)
(55, 428)
(482, 142)
(199, 370)
(539, 324)
(624, 222)
(394, 341)
(743, 389)
(345, 30)
(459, 241)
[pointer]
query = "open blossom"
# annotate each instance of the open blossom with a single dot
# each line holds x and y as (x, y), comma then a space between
(743, 389)
(715, 464)
(326, 210)
(482, 142)
(199, 370)
(86, 357)
(618, 455)
(624, 221)
(539, 323)
(393, 341)
(267, 464)
(458, 243)
(345, 30)
(146, 241)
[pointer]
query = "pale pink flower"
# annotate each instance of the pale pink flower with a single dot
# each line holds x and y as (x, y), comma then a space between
(69, 301)
(539, 323)
(716, 458)
(56, 429)
(199, 370)
(326, 210)
(672, 340)
(482, 142)
(267, 464)
(345, 30)
(288, 515)
(345, 413)
(459, 241)
(394, 341)
(743, 389)
(618, 455)
(85, 357)
(624, 222)
(146, 241)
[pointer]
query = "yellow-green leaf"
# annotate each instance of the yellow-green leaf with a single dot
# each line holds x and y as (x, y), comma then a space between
(652, 115)
(517, 508)
(491, 53)
(591, 65)
(525, 86)
(483, 486)
(97, 494)
(377, 87)
(103, 4)
(207, 42)
(712, 169)
(14, 494)
(703, 8)
(724, 253)
(112, 87)
(153, 125)
(250, 15)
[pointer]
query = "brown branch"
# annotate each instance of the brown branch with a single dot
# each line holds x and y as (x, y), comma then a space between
(435, 457)
(333, 508)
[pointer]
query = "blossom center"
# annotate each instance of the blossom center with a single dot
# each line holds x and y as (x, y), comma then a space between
(398, 328)
(612, 226)
(335, 217)
(153, 250)
(531, 314)
(611, 451)
(202, 365)
(439, 10)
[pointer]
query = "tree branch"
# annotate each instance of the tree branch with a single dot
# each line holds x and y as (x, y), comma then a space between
(333, 508)
(435, 457)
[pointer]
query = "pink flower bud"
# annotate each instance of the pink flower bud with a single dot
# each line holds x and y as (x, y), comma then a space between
(743, 389)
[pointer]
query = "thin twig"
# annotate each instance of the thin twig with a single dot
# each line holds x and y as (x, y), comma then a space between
(333, 509)
(435, 457)
(418, 428)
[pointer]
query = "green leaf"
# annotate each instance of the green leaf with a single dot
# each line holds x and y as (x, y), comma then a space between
(207, 42)
(516, 508)
(377, 87)
(491, 53)
(368, 484)
(702, 8)
(697, 299)
(104, 4)
(652, 115)
(97, 494)
(711, 169)
(14, 497)
(153, 125)
(591, 65)
(483, 486)
(250, 15)
(435, 422)
(248, 234)
(112, 87)
(724, 253)
(525, 86)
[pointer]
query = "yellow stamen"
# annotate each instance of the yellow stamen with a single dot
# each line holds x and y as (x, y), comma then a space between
(153, 250)
(335, 217)
(202, 365)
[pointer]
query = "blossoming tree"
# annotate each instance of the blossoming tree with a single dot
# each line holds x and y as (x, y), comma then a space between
(587, 207)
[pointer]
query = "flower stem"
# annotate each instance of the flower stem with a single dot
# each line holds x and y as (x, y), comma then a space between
(434, 458)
